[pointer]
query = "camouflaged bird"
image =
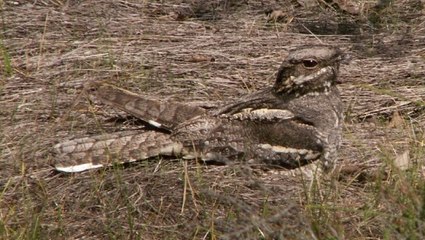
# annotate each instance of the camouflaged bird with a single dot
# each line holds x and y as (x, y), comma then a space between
(295, 122)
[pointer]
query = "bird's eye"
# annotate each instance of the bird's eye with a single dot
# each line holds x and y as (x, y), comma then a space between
(310, 63)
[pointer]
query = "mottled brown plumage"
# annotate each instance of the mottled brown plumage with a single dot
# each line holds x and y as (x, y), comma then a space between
(296, 121)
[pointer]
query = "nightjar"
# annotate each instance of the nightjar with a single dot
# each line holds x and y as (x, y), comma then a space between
(296, 121)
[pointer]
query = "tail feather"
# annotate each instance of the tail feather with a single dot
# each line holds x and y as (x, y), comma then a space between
(100, 151)
(161, 114)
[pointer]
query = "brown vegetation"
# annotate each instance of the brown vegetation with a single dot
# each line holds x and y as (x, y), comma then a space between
(207, 52)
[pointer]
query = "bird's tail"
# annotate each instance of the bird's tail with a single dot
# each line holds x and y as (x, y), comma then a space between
(105, 150)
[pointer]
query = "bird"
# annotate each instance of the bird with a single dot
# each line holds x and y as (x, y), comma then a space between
(291, 123)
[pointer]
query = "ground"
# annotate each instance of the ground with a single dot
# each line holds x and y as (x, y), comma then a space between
(208, 52)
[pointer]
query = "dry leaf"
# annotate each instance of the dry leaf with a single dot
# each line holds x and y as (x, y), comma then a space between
(396, 121)
(402, 161)
(276, 16)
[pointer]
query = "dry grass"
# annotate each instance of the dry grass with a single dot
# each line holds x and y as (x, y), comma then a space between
(207, 53)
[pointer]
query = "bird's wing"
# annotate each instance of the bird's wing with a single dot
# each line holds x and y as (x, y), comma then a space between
(259, 128)
(105, 150)
(161, 114)
(260, 99)
(273, 137)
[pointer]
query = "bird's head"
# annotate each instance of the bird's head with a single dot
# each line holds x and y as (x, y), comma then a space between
(308, 70)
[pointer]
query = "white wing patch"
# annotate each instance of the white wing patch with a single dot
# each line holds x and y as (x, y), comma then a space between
(263, 114)
(155, 123)
(306, 153)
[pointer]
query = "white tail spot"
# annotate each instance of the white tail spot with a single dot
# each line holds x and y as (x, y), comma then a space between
(78, 168)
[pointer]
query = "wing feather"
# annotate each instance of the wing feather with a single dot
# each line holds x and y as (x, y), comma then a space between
(161, 114)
